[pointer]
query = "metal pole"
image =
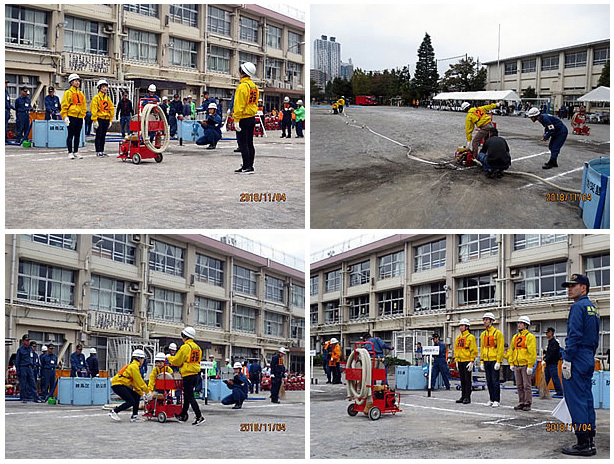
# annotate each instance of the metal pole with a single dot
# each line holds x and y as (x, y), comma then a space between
(430, 374)
(498, 54)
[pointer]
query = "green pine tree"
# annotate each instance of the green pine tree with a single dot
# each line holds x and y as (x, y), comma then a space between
(426, 76)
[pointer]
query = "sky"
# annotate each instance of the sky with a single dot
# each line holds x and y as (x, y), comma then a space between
(341, 240)
(388, 36)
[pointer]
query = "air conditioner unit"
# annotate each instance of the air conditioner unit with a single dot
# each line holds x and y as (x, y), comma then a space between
(134, 287)
(514, 272)
(136, 238)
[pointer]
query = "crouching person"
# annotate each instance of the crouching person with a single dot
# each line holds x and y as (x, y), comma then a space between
(239, 385)
(212, 127)
(495, 155)
(159, 368)
(129, 386)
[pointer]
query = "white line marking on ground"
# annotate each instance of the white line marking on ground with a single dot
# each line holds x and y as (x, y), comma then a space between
(47, 412)
(456, 411)
(554, 177)
(530, 156)
(502, 422)
(318, 391)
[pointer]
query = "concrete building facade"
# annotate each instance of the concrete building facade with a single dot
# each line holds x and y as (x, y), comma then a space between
(405, 287)
(561, 75)
(183, 49)
(99, 290)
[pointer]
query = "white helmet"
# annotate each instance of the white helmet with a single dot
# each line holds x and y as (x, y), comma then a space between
(334, 340)
(160, 357)
(189, 332)
(44, 348)
(464, 321)
(151, 88)
(525, 319)
(489, 316)
(72, 77)
(282, 350)
(92, 350)
(212, 106)
(172, 346)
(248, 68)
(465, 106)
(237, 365)
(533, 112)
(164, 98)
(227, 359)
(299, 102)
(102, 82)
(138, 354)
(286, 99)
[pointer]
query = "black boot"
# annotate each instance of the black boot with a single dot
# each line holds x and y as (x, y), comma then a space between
(591, 438)
(212, 146)
(550, 164)
(582, 448)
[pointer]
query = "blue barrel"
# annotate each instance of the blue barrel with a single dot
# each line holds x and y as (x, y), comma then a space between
(82, 391)
(101, 391)
(596, 182)
(415, 378)
(65, 390)
(605, 389)
(401, 376)
(596, 389)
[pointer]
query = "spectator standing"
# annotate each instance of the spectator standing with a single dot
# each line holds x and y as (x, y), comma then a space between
(125, 111)
(78, 367)
(92, 363)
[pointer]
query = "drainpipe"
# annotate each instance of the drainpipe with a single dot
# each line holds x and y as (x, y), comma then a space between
(231, 287)
(502, 282)
(145, 287)
(12, 290)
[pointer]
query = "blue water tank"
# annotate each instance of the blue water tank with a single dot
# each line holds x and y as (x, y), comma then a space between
(101, 391)
(189, 131)
(596, 182)
(596, 389)
(415, 378)
(65, 390)
(52, 134)
(401, 377)
(605, 389)
(82, 391)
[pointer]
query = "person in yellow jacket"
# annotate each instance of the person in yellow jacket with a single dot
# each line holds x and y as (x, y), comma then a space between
(522, 357)
(102, 110)
(245, 107)
(159, 368)
(334, 362)
(188, 358)
(492, 346)
(478, 117)
(73, 110)
(341, 104)
(335, 107)
(465, 352)
(129, 386)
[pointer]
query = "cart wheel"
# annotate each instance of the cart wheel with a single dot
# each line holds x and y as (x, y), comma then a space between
(375, 413)
(458, 387)
(351, 411)
(159, 158)
(136, 158)
(162, 417)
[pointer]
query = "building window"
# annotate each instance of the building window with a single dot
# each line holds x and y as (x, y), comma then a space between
(294, 71)
(390, 303)
(528, 66)
(183, 53)
(248, 29)
(575, 60)
(209, 270)
(360, 273)
(208, 312)
(46, 284)
(273, 69)
(142, 9)
(550, 63)
(64, 241)
(331, 312)
(598, 271)
(476, 290)
(244, 280)
(474, 246)
(141, 46)
(115, 247)
(83, 36)
(273, 324)
(522, 241)
(314, 284)
(541, 281)
(359, 308)
(511, 68)
(274, 289)
(245, 57)
(430, 256)
(166, 258)
(298, 296)
(294, 42)
(430, 297)
(219, 59)
(218, 21)
(273, 36)
(391, 265)
(166, 305)
(313, 314)
(333, 280)
(24, 26)
(297, 328)
(111, 295)
(601, 56)
(244, 319)
(185, 14)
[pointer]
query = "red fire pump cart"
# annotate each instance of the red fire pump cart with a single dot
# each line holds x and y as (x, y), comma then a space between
(136, 148)
(162, 405)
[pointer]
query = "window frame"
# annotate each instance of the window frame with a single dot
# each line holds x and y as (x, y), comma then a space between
(115, 292)
(208, 312)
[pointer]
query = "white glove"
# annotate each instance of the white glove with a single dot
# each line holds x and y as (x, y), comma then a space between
(529, 371)
(497, 366)
(272, 376)
(286, 375)
(482, 367)
(167, 356)
(467, 145)
(470, 366)
(95, 125)
(512, 368)
(67, 120)
(566, 369)
(237, 127)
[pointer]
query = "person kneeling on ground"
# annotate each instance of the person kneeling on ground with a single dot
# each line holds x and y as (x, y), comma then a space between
(238, 384)
(495, 155)
(129, 386)
(212, 128)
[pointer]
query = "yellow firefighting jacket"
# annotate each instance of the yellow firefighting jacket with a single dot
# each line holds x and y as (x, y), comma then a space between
(154, 373)
(246, 100)
(102, 107)
(492, 345)
(477, 117)
(523, 351)
(73, 104)
(188, 357)
(465, 347)
(341, 102)
(130, 376)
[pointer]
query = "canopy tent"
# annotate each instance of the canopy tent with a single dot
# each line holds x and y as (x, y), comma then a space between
(600, 94)
(494, 95)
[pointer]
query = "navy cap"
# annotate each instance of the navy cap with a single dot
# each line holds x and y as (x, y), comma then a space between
(577, 279)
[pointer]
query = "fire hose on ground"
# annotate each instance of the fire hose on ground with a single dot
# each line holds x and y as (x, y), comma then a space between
(145, 115)
(359, 359)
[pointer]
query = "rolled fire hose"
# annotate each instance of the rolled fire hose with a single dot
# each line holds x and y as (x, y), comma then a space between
(359, 359)
(145, 119)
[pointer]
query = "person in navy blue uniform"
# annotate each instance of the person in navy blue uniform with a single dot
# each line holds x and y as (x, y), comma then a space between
(278, 371)
(77, 362)
(8, 106)
(36, 368)
(326, 349)
(24, 365)
(440, 364)
(255, 373)
(22, 108)
(206, 100)
(49, 362)
(238, 387)
(92, 363)
(377, 352)
(52, 106)
(212, 128)
(555, 130)
(579, 364)
(174, 112)
(124, 113)
(551, 358)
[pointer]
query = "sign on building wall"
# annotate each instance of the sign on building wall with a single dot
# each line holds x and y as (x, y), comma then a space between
(85, 63)
(111, 321)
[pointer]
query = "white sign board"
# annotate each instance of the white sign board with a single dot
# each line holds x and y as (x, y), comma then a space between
(433, 350)
(206, 365)
(312, 353)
